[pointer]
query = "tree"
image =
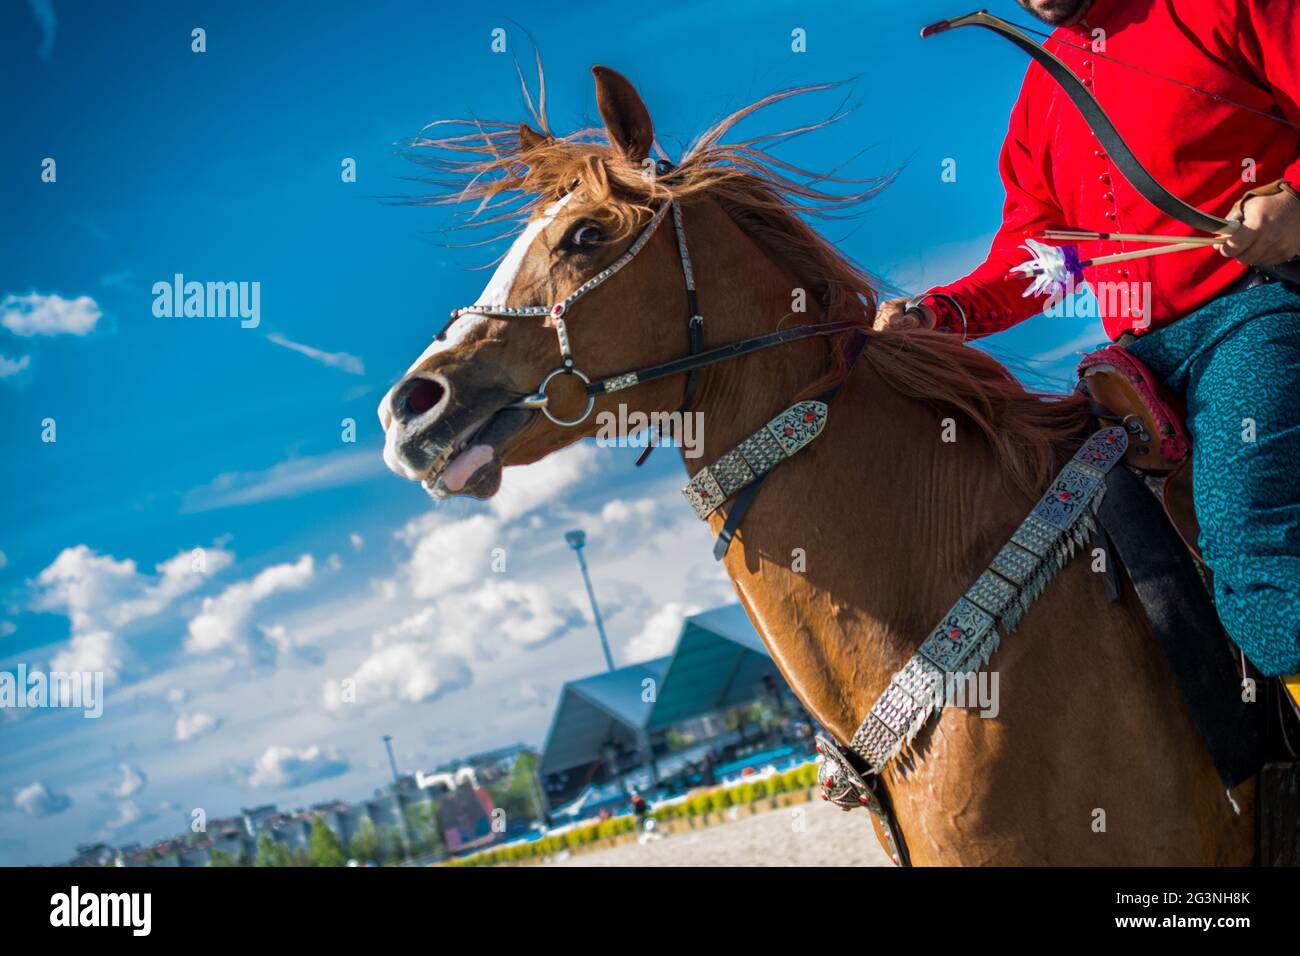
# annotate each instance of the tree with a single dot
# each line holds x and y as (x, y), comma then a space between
(221, 858)
(393, 850)
(517, 794)
(366, 846)
(265, 849)
(326, 850)
(422, 822)
(270, 853)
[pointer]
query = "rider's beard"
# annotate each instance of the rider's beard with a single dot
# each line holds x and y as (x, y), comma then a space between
(1057, 12)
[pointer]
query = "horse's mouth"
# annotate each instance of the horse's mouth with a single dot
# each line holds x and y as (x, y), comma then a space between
(471, 462)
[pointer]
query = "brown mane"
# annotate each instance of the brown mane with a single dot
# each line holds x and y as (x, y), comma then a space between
(511, 172)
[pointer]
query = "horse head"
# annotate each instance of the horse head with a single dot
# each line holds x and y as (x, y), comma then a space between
(468, 405)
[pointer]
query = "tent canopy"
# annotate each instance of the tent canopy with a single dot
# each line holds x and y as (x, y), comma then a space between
(596, 710)
(718, 661)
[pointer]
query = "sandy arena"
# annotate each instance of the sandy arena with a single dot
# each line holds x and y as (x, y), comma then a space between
(809, 834)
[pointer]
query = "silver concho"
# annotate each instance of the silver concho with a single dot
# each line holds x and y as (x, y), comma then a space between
(840, 783)
(704, 493)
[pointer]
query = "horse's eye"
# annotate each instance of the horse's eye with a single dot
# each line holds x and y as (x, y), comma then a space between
(585, 235)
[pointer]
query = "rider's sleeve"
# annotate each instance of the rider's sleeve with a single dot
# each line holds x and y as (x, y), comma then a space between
(1269, 39)
(992, 299)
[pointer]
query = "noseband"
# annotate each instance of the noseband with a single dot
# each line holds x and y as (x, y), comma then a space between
(691, 364)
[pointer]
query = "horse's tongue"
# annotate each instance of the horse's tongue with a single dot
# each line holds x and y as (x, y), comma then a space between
(464, 465)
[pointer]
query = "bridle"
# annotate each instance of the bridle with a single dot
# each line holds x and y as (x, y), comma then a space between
(691, 364)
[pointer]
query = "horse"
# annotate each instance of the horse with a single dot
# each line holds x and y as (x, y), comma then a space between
(931, 455)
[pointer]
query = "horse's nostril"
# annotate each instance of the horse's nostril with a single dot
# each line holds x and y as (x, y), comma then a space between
(422, 395)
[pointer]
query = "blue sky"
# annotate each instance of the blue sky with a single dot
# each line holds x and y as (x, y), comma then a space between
(182, 433)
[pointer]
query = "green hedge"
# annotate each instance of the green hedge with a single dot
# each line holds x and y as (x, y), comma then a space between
(696, 804)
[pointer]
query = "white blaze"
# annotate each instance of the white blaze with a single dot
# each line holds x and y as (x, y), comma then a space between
(497, 292)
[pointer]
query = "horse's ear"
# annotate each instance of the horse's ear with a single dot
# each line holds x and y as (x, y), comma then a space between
(530, 139)
(626, 118)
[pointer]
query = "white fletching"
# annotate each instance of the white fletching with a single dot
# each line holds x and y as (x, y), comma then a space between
(1046, 267)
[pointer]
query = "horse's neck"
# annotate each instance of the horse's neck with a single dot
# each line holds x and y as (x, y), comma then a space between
(856, 547)
(853, 549)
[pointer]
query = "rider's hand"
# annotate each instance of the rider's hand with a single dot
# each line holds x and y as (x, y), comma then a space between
(891, 316)
(1269, 232)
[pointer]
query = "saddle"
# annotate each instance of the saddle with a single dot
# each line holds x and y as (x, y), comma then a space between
(1125, 391)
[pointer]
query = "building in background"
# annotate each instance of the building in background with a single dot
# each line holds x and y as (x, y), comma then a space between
(712, 708)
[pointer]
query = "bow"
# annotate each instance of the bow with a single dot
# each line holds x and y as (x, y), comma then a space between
(1120, 154)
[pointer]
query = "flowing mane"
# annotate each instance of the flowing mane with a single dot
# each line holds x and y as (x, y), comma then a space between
(510, 172)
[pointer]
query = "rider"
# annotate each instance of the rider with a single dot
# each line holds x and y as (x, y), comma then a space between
(640, 809)
(1192, 317)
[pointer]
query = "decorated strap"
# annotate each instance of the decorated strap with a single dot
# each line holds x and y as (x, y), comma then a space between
(754, 457)
(1062, 520)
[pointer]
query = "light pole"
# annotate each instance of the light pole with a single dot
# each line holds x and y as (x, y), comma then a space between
(408, 846)
(577, 539)
(392, 761)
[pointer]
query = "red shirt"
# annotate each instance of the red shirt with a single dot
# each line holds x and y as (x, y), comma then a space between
(1057, 176)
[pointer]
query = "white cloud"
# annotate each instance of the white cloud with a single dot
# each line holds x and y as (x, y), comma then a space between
(342, 361)
(446, 555)
(407, 672)
(128, 814)
(86, 585)
(11, 367)
(98, 590)
(524, 614)
(288, 479)
(92, 651)
(526, 487)
(36, 314)
(43, 10)
(35, 800)
(430, 652)
(130, 782)
(659, 634)
(100, 595)
(289, 767)
(192, 726)
(222, 622)
(621, 512)
(285, 643)
(279, 637)
(356, 541)
(7, 628)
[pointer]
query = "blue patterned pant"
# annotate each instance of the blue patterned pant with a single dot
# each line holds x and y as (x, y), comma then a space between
(1237, 362)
